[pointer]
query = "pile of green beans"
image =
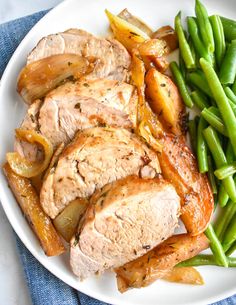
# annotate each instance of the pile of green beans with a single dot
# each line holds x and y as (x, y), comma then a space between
(206, 78)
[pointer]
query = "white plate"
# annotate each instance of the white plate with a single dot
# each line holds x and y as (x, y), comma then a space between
(89, 15)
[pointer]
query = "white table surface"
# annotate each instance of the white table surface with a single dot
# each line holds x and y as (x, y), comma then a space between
(13, 289)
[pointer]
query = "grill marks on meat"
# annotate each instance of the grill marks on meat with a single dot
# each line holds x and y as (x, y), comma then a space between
(95, 157)
(112, 60)
(77, 106)
(124, 220)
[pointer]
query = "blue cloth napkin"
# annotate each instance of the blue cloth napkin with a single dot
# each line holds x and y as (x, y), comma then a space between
(45, 288)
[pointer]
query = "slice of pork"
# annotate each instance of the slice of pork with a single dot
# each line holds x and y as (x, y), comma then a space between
(76, 106)
(111, 58)
(124, 220)
(96, 156)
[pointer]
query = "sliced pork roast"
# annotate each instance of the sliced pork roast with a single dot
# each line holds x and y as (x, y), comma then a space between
(76, 106)
(124, 220)
(112, 60)
(95, 157)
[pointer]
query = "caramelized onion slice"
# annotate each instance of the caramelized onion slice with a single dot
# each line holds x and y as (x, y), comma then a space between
(40, 77)
(145, 133)
(126, 33)
(167, 33)
(184, 275)
(26, 168)
(148, 127)
(66, 223)
(126, 15)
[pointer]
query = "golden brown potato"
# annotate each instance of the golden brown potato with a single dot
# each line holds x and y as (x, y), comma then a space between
(161, 63)
(67, 221)
(179, 167)
(28, 201)
(184, 275)
(159, 261)
(152, 47)
(126, 15)
(37, 182)
(165, 101)
(126, 33)
(167, 33)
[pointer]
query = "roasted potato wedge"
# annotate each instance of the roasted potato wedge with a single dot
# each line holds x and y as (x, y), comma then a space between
(158, 262)
(37, 182)
(40, 77)
(126, 15)
(179, 167)
(67, 221)
(184, 275)
(165, 101)
(152, 47)
(153, 53)
(161, 63)
(167, 33)
(28, 201)
(126, 33)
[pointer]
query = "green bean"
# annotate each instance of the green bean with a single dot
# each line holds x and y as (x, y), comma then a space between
(214, 121)
(230, 234)
(225, 171)
(229, 153)
(223, 197)
(183, 44)
(230, 94)
(234, 87)
(215, 111)
(204, 26)
(202, 147)
(190, 42)
(217, 152)
(192, 127)
(211, 175)
(205, 259)
(198, 44)
(216, 247)
(199, 99)
(221, 101)
(182, 66)
(229, 27)
(233, 106)
(224, 219)
(229, 169)
(228, 68)
(219, 38)
(198, 79)
(231, 249)
(181, 84)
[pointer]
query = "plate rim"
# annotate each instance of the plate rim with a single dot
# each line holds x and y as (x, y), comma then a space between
(4, 198)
